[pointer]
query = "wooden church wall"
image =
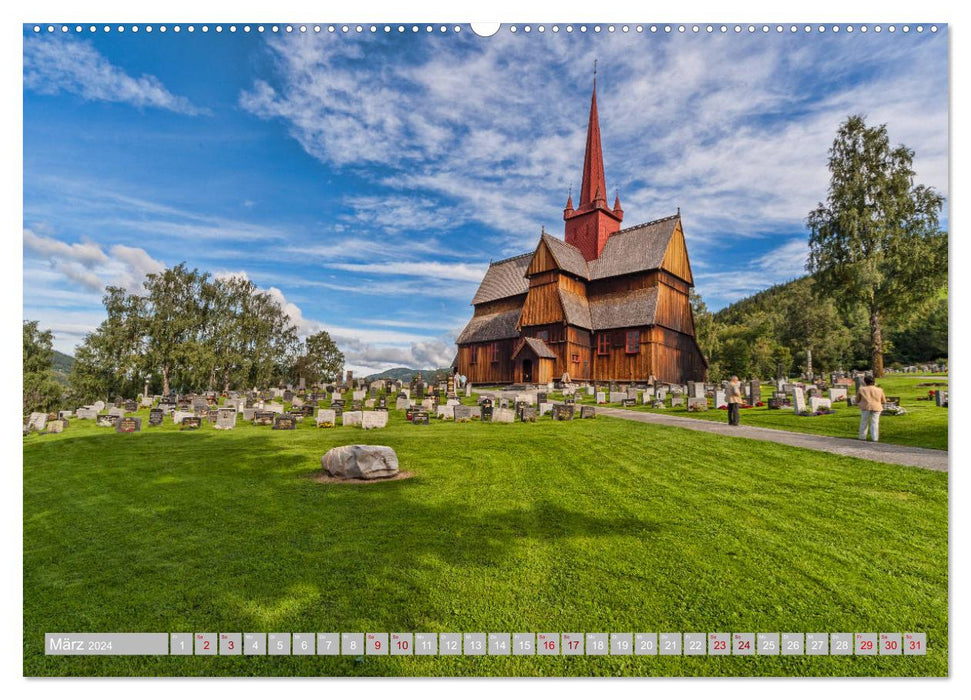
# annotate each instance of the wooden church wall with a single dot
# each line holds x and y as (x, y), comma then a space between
(676, 257)
(542, 306)
(674, 310)
(484, 371)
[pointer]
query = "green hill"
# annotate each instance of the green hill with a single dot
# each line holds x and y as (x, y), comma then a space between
(405, 374)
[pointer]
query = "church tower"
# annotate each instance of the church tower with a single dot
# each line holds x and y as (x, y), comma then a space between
(591, 223)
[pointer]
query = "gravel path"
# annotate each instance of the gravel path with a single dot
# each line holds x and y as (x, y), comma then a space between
(875, 451)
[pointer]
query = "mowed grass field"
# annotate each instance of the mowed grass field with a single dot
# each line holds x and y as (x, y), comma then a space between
(591, 526)
(924, 424)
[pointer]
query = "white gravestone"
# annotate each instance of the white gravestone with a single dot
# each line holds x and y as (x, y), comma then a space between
(326, 417)
(798, 400)
(374, 419)
(352, 418)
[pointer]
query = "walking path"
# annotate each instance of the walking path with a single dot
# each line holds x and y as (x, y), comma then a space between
(875, 451)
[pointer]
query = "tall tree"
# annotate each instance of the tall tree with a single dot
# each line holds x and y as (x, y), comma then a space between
(876, 241)
(41, 390)
(322, 360)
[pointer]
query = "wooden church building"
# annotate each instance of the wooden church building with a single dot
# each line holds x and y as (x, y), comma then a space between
(605, 304)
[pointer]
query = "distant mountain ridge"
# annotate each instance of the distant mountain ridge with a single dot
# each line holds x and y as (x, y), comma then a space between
(404, 374)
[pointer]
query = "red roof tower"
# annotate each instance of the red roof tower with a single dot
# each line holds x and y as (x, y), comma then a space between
(591, 223)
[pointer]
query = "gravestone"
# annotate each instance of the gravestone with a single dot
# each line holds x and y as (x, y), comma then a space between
(487, 412)
(617, 396)
(107, 420)
(445, 412)
(146, 402)
(837, 393)
(287, 396)
(402, 404)
(225, 418)
(86, 413)
(263, 417)
(588, 412)
(351, 418)
(754, 391)
(940, 398)
(528, 414)
(374, 419)
(190, 423)
(818, 402)
(37, 421)
(590, 391)
(601, 397)
(284, 422)
(720, 399)
(503, 415)
(697, 403)
(563, 411)
(629, 403)
(128, 424)
(541, 397)
(462, 414)
(798, 400)
(545, 408)
(677, 401)
(326, 418)
(420, 418)
(131, 406)
(116, 411)
(155, 417)
(56, 426)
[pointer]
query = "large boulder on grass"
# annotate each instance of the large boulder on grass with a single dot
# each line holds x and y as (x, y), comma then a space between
(360, 462)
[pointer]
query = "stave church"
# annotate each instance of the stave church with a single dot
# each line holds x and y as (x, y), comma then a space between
(604, 303)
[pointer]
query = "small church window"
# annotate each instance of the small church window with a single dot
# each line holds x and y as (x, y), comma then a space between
(633, 342)
(603, 343)
(576, 359)
(543, 335)
(474, 355)
(494, 352)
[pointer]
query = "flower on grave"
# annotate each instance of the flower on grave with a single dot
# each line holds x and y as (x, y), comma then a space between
(759, 404)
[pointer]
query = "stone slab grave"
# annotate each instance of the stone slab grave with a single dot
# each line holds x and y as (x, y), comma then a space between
(358, 395)
(225, 418)
(940, 398)
(503, 415)
(190, 423)
(155, 417)
(326, 418)
(677, 401)
(446, 412)
(147, 402)
(284, 422)
(65, 414)
(818, 402)
(128, 424)
(588, 412)
(374, 419)
(179, 416)
(528, 414)
(798, 400)
(462, 414)
(37, 421)
(86, 413)
(274, 407)
(696, 403)
(263, 417)
(837, 393)
(545, 408)
(601, 397)
(720, 399)
(115, 411)
(351, 418)
(364, 462)
(420, 417)
(56, 426)
(629, 403)
(107, 420)
(754, 391)
(563, 411)
(617, 396)
(130, 406)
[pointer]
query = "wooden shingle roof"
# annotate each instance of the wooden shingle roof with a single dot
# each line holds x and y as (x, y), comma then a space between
(568, 257)
(539, 347)
(623, 310)
(488, 327)
(634, 249)
(504, 278)
(576, 309)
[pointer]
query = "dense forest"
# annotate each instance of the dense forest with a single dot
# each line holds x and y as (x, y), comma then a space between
(774, 329)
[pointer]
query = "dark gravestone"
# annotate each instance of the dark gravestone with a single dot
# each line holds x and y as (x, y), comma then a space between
(419, 391)
(191, 423)
(629, 403)
(410, 413)
(383, 403)
(486, 402)
(128, 424)
(249, 403)
(155, 417)
(527, 414)
(755, 392)
(487, 413)
(285, 422)
(462, 413)
(288, 396)
(357, 405)
(263, 417)
(420, 418)
(588, 412)
(131, 406)
(337, 402)
(541, 397)
(563, 411)
(307, 410)
(570, 401)
(107, 420)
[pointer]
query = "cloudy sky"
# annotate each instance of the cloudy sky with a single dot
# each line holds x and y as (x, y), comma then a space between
(368, 179)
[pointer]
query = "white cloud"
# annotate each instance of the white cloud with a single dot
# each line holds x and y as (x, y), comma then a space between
(432, 270)
(86, 263)
(54, 64)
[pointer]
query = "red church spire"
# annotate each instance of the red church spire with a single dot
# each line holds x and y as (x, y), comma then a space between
(592, 222)
(594, 185)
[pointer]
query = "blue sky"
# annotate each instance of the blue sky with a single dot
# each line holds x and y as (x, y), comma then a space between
(367, 180)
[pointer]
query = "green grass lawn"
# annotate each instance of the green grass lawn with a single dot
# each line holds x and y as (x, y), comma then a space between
(597, 525)
(924, 424)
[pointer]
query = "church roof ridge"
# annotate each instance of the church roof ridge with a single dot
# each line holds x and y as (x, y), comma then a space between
(510, 259)
(647, 223)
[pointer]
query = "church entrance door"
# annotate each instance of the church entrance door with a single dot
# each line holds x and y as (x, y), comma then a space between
(527, 371)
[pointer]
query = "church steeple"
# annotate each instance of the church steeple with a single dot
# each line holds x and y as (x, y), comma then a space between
(591, 223)
(594, 186)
